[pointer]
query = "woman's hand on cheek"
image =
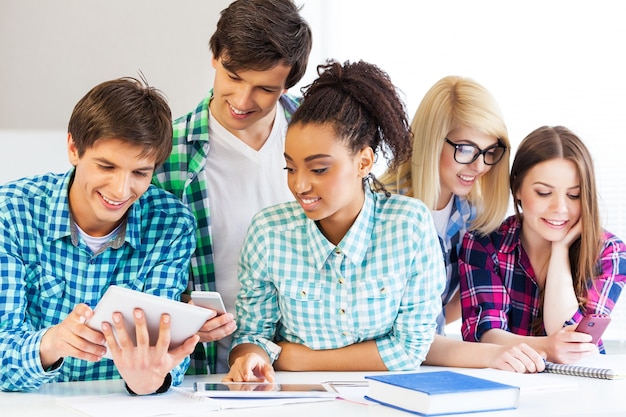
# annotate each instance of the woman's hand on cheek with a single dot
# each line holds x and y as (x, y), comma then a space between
(572, 234)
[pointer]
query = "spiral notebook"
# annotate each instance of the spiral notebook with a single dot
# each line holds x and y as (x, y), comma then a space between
(597, 366)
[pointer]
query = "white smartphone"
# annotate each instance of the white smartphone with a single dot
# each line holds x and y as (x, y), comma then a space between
(209, 299)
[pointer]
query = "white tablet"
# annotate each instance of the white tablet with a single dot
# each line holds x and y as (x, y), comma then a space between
(186, 319)
(263, 390)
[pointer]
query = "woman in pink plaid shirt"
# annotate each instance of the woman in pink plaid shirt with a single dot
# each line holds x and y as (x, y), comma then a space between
(548, 265)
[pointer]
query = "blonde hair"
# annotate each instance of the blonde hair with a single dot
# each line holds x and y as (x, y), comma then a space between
(451, 103)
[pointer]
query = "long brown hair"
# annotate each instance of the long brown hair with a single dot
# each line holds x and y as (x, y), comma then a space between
(552, 142)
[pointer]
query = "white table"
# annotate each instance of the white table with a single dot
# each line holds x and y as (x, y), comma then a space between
(579, 397)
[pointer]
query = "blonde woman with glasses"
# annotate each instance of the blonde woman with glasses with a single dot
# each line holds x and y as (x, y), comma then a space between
(459, 169)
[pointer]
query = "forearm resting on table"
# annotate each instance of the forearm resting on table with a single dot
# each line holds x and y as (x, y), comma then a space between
(445, 351)
(502, 337)
(362, 356)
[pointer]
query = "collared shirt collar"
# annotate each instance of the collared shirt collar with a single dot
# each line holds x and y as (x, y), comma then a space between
(354, 244)
(62, 225)
(198, 130)
(511, 235)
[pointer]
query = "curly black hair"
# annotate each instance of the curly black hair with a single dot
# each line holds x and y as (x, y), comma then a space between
(363, 106)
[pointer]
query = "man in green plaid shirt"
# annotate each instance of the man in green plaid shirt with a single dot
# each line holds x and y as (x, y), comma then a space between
(260, 49)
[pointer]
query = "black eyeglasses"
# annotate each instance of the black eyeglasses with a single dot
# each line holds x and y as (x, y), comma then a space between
(464, 153)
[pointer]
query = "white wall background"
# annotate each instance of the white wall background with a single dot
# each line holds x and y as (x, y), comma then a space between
(547, 62)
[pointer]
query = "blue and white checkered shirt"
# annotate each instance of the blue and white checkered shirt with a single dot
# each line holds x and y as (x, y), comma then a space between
(46, 270)
(461, 216)
(382, 282)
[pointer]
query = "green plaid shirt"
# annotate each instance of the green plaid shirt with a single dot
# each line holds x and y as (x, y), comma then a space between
(179, 175)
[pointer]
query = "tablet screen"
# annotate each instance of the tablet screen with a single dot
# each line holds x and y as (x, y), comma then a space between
(263, 390)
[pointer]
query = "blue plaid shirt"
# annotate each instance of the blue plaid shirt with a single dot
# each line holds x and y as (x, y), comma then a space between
(383, 281)
(46, 270)
(461, 216)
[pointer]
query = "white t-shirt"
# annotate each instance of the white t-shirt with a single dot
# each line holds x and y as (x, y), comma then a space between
(241, 182)
(97, 243)
(441, 218)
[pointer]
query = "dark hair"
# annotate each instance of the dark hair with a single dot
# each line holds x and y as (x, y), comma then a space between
(126, 109)
(260, 34)
(362, 105)
(554, 142)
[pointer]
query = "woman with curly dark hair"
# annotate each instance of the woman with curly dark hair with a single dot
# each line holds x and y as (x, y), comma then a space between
(347, 277)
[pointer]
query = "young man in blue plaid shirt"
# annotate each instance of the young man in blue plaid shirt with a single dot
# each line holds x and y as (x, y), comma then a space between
(227, 160)
(65, 238)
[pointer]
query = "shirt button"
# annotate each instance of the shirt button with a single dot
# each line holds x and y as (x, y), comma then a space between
(337, 250)
(342, 311)
(341, 281)
(189, 175)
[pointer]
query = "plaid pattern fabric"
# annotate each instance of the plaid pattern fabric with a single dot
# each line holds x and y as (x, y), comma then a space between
(382, 282)
(498, 288)
(179, 175)
(44, 275)
(461, 216)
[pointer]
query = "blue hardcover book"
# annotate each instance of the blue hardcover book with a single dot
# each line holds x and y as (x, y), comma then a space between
(441, 392)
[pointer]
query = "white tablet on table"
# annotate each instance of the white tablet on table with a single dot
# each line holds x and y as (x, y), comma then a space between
(185, 319)
(263, 390)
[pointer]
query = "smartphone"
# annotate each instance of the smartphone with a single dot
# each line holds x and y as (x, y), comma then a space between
(209, 299)
(595, 325)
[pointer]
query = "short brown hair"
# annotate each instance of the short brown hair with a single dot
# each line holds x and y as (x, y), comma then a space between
(260, 34)
(127, 109)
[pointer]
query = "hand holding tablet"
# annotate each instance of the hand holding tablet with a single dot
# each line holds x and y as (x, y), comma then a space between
(186, 319)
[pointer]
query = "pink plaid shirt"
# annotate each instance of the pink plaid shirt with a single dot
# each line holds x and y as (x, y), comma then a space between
(498, 287)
